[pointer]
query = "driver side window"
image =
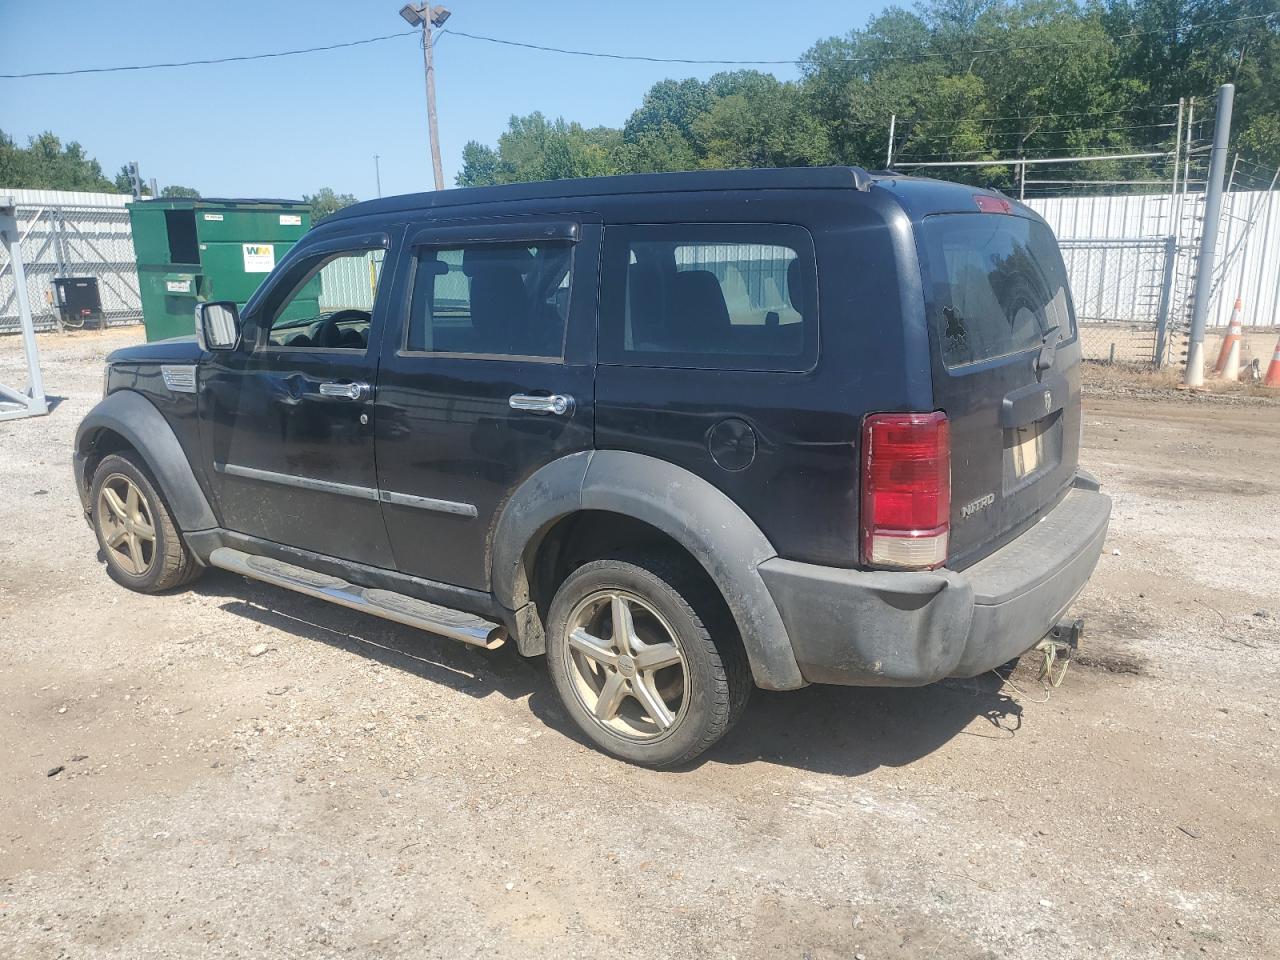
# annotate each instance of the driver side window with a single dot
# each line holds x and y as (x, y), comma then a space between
(330, 308)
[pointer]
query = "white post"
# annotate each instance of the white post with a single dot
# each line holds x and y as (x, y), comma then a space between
(1194, 375)
(12, 403)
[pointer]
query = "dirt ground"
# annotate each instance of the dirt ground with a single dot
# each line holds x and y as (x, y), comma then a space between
(362, 789)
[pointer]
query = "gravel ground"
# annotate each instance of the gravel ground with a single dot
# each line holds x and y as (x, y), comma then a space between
(364, 789)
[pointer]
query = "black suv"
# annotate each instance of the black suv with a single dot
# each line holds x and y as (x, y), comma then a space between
(682, 433)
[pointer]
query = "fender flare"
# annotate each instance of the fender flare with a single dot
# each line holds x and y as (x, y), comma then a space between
(714, 529)
(134, 417)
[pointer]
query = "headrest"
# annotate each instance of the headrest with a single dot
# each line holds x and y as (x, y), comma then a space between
(795, 286)
(698, 297)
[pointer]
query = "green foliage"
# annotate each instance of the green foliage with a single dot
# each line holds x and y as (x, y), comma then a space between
(45, 164)
(535, 148)
(968, 79)
(754, 120)
(325, 202)
(174, 190)
(479, 165)
(121, 182)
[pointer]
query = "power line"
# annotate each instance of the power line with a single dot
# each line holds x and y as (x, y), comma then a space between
(1046, 116)
(988, 133)
(1036, 153)
(875, 58)
(196, 63)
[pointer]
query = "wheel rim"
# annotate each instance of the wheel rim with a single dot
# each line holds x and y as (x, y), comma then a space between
(125, 522)
(626, 666)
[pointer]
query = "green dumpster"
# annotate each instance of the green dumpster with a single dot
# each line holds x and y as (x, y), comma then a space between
(190, 250)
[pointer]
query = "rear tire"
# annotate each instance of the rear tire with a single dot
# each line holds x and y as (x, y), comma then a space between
(668, 692)
(142, 545)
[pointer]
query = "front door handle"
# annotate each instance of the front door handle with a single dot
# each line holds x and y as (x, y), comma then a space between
(345, 391)
(561, 404)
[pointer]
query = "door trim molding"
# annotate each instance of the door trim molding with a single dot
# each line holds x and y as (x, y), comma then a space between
(451, 507)
(303, 483)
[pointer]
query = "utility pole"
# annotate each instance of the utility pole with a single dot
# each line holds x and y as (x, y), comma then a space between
(1194, 376)
(428, 17)
(377, 173)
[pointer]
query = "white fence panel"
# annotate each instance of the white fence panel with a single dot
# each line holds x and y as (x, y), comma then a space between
(1252, 272)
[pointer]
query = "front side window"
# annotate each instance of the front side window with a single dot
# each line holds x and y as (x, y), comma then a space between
(331, 306)
(491, 299)
(737, 296)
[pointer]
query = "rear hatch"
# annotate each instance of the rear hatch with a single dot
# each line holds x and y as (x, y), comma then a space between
(1005, 370)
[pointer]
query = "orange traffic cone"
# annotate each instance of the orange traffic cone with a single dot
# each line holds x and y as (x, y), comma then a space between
(1229, 356)
(1272, 378)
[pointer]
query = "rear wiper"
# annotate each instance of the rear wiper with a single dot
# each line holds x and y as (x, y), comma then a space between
(1048, 347)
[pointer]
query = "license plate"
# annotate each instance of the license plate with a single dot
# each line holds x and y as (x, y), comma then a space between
(1028, 448)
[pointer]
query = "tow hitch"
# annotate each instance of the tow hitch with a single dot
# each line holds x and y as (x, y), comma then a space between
(1058, 646)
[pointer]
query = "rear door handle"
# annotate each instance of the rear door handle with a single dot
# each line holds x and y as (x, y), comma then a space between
(561, 404)
(345, 391)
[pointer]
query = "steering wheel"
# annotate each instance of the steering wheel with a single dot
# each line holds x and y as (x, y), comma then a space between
(342, 316)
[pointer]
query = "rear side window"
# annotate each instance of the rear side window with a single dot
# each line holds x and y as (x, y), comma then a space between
(491, 299)
(721, 296)
(997, 285)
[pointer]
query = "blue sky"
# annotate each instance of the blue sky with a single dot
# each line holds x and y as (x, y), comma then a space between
(288, 126)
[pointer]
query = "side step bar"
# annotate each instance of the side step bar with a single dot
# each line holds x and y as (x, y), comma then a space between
(399, 607)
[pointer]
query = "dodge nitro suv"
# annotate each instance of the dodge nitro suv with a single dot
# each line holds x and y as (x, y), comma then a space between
(683, 434)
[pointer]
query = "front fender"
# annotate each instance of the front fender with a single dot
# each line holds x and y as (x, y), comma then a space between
(134, 418)
(723, 539)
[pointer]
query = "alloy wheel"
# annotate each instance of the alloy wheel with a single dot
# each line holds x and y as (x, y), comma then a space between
(626, 666)
(128, 530)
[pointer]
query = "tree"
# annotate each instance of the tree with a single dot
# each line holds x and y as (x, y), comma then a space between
(174, 190)
(121, 182)
(967, 79)
(45, 164)
(325, 202)
(754, 120)
(479, 165)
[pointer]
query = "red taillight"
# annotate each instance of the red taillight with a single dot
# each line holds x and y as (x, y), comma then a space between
(906, 489)
(990, 204)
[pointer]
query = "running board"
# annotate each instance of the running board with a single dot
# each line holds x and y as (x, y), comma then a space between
(399, 607)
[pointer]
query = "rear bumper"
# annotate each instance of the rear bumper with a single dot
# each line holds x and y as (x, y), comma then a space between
(889, 628)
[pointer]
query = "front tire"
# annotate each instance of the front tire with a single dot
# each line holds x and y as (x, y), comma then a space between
(636, 666)
(136, 533)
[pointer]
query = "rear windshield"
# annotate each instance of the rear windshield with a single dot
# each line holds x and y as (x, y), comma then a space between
(997, 285)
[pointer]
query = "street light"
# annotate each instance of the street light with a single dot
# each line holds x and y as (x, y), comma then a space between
(429, 17)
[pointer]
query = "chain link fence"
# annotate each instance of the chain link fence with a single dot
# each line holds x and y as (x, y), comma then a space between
(72, 241)
(1122, 290)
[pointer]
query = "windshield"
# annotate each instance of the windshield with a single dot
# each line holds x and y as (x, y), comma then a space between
(997, 286)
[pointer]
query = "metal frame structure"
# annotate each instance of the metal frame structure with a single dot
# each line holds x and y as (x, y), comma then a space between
(1186, 237)
(31, 402)
(68, 239)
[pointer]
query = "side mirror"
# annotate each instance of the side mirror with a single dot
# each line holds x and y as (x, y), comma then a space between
(218, 325)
